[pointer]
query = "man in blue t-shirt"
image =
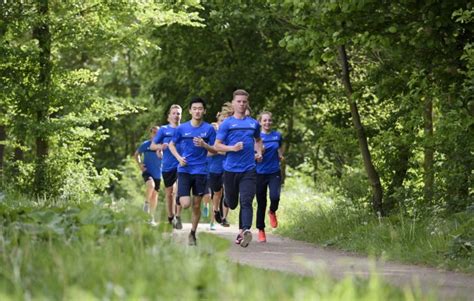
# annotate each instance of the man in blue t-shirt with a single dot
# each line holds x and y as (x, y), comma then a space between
(195, 139)
(239, 137)
(170, 165)
(151, 173)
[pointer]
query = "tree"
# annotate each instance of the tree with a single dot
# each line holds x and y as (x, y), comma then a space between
(55, 56)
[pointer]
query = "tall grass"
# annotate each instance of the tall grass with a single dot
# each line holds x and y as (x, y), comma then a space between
(311, 216)
(106, 251)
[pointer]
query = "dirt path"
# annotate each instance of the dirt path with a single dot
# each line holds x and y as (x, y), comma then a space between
(293, 256)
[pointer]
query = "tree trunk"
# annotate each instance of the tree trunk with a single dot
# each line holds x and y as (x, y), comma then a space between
(401, 167)
(286, 141)
(3, 138)
(374, 179)
(428, 163)
(42, 33)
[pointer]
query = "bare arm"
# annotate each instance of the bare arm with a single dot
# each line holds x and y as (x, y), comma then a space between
(174, 151)
(280, 154)
(138, 159)
(156, 146)
(258, 149)
(220, 147)
(198, 141)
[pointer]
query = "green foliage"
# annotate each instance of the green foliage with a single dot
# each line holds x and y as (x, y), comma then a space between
(398, 61)
(55, 99)
(445, 242)
(107, 251)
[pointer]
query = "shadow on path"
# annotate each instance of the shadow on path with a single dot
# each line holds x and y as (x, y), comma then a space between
(287, 255)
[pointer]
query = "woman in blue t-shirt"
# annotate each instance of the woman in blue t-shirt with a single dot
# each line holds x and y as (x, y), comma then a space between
(268, 174)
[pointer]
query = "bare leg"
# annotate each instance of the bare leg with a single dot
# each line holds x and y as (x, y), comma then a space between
(150, 187)
(186, 202)
(196, 216)
(178, 208)
(216, 200)
(170, 203)
(153, 203)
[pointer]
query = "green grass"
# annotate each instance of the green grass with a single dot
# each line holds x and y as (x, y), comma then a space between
(106, 251)
(440, 242)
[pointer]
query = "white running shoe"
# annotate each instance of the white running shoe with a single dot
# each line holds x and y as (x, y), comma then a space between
(246, 238)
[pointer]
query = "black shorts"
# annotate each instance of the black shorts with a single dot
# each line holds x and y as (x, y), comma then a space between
(187, 181)
(215, 181)
(208, 188)
(146, 177)
(170, 177)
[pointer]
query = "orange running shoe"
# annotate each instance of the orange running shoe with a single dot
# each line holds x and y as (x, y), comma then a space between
(261, 236)
(273, 219)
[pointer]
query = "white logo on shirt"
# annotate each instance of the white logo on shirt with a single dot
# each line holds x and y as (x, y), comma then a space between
(252, 125)
(234, 125)
(168, 133)
(275, 137)
(187, 134)
(203, 134)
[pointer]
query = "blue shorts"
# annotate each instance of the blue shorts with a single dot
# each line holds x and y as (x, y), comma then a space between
(187, 181)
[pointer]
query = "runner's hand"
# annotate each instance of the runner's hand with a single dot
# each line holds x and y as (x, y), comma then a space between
(142, 167)
(258, 157)
(198, 141)
(182, 161)
(238, 146)
(159, 154)
(164, 146)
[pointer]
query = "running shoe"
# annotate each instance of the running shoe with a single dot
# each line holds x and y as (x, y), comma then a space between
(261, 236)
(273, 219)
(146, 207)
(217, 217)
(192, 239)
(153, 223)
(170, 220)
(212, 226)
(238, 239)
(205, 211)
(225, 223)
(246, 238)
(177, 222)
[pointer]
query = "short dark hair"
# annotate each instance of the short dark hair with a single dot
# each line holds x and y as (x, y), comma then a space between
(197, 100)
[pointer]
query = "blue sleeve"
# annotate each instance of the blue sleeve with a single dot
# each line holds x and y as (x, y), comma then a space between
(256, 134)
(222, 132)
(142, 148)
(159, 136)
(212, 135)
(177, 135)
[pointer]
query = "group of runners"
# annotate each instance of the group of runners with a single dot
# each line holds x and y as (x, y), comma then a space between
(227, 162)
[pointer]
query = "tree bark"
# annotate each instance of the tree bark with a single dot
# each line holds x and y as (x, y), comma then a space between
(3, 138)
(401, 168)
(374, 179)
(42, 33)
(428, 162)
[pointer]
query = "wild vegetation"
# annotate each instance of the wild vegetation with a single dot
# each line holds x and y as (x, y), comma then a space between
(374, 100)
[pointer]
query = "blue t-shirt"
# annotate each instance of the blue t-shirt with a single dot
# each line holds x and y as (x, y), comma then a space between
(216, 163)
(271, 161)
(196, 157)
(151, 160)
(234, 130)
(164, 135)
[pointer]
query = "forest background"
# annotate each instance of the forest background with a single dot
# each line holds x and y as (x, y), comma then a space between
(375, 99)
